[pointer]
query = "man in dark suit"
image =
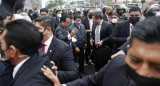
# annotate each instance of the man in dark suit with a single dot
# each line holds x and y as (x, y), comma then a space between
(62, 32)
(20, 42)
(57, 50)
(108, 12)
(100, 37)
(139, 68)
(123, 29)
(88, 23)
(57, 18)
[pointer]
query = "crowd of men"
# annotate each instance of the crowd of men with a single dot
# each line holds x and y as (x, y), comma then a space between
(43, 50)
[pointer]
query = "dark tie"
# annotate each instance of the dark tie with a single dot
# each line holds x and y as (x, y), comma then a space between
(43, 47)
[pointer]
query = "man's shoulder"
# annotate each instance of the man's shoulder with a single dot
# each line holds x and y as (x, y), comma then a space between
(123, 22)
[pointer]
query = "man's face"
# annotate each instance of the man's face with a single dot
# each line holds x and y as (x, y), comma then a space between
(108, 11)
(96, 21)
(7, 51)
(115, 17)
(90, 12)
(77, 19)
(59, 13)
(40, 28)
(66, 23)
(43, 13)
(144, 58)
(135, 14)
(158, 7)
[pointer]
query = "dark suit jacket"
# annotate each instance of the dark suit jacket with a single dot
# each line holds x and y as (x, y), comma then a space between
(120, 34)
(112, 74)
(62, 55)
(62, 33)
(105, 17)
(56, 21)
(6, 70)
(124, 46)
(30, 74)
(106, 30)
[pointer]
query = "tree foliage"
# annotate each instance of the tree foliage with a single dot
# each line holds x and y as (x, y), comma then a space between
(54, 3)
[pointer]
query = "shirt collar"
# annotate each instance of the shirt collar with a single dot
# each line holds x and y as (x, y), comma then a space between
(48, 42)
(17, 67)
(131, 24)
(101, 22)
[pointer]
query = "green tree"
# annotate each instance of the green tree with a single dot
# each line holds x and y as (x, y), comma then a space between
(54, 3)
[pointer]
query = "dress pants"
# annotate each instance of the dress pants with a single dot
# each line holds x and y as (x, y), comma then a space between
(80, 56)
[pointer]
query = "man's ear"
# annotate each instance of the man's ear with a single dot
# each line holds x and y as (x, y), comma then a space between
(13, 50)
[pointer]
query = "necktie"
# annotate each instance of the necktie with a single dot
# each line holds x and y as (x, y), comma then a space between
(109, 20)
(43, 47)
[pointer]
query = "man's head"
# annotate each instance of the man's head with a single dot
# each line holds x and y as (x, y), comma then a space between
(89, 13)
(77, 20)
(134, 15)
(45, 26)
(143, 55)
(65, 21)
(97, 17)
(108, 10)
(43, 12)
(59, 13)
(115, 17)
(19, 40)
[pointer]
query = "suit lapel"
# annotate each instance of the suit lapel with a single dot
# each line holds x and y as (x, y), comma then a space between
(127, 28)
(102, 27)
(51, 48)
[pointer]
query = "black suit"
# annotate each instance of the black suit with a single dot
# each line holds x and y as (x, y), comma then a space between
(106, 30)
(112, 74)
(30, 74)
(120, 34)
(62, 33)
(85, 22)
(105, 18)
(62, 55)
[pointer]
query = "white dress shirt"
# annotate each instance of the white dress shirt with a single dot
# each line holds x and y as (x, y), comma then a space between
(98, 27)
(90, 23)
(17, 67)
(47, 43)
(131, 27)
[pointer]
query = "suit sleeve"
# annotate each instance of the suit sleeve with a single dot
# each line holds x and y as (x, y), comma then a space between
(70, 71)
(60, 35)
(124, 46)
(108, 32)
(95, 79)
(114, 36)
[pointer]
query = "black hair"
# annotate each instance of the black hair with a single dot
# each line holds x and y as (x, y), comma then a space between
(44, 10)
(57, 11)
(115, 13)
(135, 9)
(88, 11)
(104, 10)
(24, 36)
(97, 15)
(147, 31)
(63, 18)
(77, 16)
(46, 21)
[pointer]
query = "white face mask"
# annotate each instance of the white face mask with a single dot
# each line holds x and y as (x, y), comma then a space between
(114, 20)
(59, 15)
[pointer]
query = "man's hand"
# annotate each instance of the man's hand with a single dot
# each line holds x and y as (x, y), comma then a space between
(128, 38)
(77, 49)
(88, 31)
(118, 53)
(85, 45)
(100, 43)
(73, 32)
(54, 67)
(49, 74)
(91, 42)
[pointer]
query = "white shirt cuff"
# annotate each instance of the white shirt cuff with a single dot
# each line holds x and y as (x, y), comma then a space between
(69, 37)
(64, 85)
